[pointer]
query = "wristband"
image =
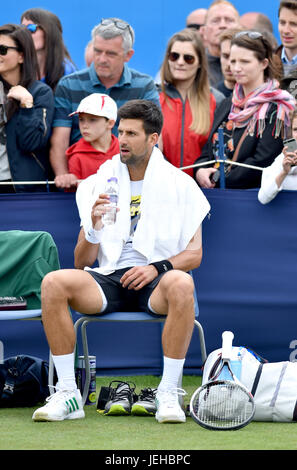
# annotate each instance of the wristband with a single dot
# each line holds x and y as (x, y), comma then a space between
(93, 236)
(162, 266)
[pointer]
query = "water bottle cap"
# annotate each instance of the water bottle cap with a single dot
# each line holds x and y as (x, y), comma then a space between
(113, 178)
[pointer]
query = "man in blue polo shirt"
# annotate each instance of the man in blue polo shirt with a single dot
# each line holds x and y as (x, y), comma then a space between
(287, 26)
(109, 73)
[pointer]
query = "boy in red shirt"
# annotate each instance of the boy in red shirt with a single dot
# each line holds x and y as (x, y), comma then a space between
(97, 114)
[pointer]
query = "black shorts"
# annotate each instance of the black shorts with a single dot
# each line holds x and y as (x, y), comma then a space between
(120, 299)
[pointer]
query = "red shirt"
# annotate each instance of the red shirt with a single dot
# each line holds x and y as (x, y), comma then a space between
(84, 160)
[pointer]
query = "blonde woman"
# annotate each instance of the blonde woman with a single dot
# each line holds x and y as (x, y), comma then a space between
(187, 103)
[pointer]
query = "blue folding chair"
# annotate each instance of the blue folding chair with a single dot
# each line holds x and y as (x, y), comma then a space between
(84, 320)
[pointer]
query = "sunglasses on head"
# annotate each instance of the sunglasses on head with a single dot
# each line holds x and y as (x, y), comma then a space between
(32, 27)
(188, 58)
(249, 34)
(118, 23)
(4, 49)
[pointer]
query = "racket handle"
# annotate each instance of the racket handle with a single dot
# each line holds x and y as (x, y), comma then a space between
(227, 339)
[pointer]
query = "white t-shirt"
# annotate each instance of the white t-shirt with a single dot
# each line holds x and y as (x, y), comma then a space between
(130, 257)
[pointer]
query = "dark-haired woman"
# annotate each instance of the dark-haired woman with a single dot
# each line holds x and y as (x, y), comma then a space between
(47, 33)
(254, 119)
(27, 108)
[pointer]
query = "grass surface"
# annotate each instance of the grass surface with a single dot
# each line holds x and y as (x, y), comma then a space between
(97, 432)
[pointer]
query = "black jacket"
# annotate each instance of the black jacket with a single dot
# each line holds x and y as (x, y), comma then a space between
(27, 136)
(254, 150)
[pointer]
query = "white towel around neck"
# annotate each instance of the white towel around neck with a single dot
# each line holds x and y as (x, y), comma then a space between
(172, 208)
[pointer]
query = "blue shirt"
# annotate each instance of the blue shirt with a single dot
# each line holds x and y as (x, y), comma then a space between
(285, 59)
(73, 88)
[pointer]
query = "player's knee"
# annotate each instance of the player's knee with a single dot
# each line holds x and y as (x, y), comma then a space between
(51, 284)
(180, 287)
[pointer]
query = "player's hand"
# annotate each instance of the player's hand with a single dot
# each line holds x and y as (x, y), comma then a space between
(138, 277)
(100, 207)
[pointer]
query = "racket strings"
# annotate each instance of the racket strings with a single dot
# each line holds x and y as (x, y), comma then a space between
(223, 406)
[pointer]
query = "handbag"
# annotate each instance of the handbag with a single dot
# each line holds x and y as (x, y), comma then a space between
(23, 381)
(272, 384)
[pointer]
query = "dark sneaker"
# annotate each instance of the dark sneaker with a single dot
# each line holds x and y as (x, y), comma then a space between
(120, 399)
(145, 405)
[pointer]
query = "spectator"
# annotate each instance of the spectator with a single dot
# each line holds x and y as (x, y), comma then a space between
(109, 73)
(226, 86)
(186, 101)
(89, 53)
(220, 15)
(53, 57)
(258, 116)
(27, 112)
(287, 27)
(259, 22)
(97, 114)
(282, 174)
(196, 20)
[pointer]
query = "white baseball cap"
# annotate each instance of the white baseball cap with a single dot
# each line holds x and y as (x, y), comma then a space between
(98, 104)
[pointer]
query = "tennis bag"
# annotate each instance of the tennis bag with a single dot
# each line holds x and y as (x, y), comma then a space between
(273, 385)
(23, 381)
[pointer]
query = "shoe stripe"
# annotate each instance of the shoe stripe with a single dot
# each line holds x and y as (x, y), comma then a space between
(69, 406)
(75, 402)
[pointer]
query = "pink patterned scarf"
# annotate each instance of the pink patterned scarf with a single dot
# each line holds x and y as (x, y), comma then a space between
(251, 110)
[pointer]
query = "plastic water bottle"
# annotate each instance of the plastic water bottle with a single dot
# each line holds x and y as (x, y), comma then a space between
(112, 189)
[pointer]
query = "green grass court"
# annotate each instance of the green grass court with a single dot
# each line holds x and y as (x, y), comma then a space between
(97, 432)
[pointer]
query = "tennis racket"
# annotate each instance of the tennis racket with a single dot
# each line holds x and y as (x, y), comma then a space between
(223, 403)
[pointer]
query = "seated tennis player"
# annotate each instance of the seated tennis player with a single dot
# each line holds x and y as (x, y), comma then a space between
(143, 260)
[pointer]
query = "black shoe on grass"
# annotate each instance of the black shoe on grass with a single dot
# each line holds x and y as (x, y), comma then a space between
(145, 405)
(120, 399)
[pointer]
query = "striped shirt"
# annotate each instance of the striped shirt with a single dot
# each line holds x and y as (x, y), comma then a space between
(73, 88)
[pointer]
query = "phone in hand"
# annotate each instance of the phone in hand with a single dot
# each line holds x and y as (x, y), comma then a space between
(291, 145)
(215, 177)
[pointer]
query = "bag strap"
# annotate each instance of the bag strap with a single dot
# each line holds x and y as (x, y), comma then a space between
(236, 152)
(257, 379)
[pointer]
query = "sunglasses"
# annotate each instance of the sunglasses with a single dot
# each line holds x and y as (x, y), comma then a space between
(250, 34)
(188, 58)
(194, 26)
(32, 27)
(118, 23)
(4, 49)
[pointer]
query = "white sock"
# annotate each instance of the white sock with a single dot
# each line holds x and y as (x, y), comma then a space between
(172, 371)
(64, 365)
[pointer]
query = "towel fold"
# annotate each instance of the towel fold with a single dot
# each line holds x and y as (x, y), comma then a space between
(172, 208)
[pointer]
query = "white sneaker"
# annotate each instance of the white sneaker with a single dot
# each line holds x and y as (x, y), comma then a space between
(168, 406)
(64, 404)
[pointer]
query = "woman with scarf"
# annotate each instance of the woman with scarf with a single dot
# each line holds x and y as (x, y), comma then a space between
(255, 118)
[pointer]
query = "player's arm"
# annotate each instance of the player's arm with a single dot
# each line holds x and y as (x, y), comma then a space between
(86, 250)
(85, 253)
(191, 257)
